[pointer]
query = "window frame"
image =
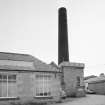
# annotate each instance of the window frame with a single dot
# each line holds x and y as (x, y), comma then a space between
(43, 78)
(78, 78)
(7, 82)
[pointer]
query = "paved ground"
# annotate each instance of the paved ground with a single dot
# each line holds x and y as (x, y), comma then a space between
(88, 100)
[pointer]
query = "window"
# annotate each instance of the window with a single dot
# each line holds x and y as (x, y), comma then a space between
(43, 85)
(78, 81)
(7, 85)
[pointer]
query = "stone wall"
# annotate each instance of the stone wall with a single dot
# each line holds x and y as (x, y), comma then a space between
(27, 84)
(70, 79)
(71, 74)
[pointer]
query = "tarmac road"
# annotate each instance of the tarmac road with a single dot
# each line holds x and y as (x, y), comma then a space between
(88, 100)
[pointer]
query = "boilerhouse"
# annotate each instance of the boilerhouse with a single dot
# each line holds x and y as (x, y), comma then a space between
(25, 76)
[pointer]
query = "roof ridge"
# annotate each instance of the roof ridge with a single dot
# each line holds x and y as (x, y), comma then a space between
(16, 53)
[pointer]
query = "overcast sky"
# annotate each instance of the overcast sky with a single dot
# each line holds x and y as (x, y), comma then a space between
(31, 26)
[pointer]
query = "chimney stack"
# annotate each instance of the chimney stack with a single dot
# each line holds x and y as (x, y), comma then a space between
(63, 52)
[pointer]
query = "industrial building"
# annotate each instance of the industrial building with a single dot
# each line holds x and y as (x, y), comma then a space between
(96, 84)
(24, 76)
(72, 73)
(72, 79)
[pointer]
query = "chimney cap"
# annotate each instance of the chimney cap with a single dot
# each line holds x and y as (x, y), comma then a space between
(62, 9)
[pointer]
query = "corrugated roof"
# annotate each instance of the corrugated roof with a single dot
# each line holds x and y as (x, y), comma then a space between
(38, 65)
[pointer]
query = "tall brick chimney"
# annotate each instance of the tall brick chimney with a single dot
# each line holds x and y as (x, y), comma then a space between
(63, 52)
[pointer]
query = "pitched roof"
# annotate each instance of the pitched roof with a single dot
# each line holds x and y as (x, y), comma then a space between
(88, 77)
(54, 65)
(37, 65)
(95, 79)
(41, 66)
(16, 56)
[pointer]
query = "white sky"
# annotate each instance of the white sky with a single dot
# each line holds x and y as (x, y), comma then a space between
(31, 26)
